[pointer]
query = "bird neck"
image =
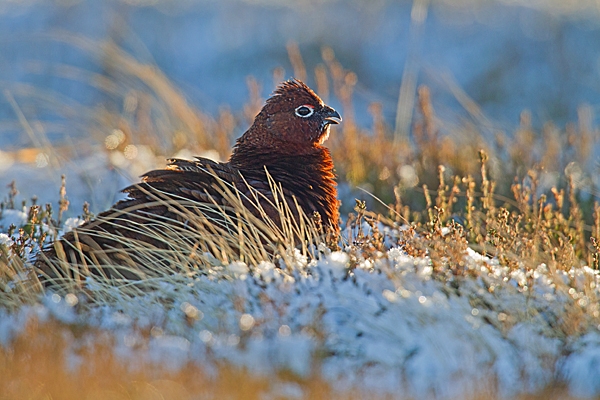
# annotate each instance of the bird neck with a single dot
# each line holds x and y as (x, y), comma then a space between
(247, 156)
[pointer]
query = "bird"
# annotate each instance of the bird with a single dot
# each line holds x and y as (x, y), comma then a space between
(282, 148)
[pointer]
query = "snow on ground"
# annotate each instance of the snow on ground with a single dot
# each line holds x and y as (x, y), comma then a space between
(390, 326)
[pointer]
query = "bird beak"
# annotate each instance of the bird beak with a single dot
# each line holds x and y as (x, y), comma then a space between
(330, 116)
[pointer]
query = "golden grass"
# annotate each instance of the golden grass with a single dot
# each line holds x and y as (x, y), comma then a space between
(199, 237)
(51, 360)
(37, 365)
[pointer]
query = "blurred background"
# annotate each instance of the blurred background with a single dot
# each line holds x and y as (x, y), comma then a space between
(103, 90)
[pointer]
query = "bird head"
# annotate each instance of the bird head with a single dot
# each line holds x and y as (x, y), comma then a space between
(296, 116)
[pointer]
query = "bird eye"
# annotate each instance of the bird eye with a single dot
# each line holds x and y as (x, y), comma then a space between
(305, 111)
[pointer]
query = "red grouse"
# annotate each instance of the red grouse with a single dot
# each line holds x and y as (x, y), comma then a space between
(285, 141)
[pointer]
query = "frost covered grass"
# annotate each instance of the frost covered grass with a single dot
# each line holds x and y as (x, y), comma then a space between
(404, 307)
(309, 338)
(475, 277)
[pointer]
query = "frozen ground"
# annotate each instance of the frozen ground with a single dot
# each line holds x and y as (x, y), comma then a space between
(390, 326)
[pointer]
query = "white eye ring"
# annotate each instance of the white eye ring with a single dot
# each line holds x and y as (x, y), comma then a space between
(304, 111)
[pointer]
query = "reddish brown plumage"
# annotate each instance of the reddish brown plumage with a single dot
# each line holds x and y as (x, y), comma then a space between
(285, 139)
